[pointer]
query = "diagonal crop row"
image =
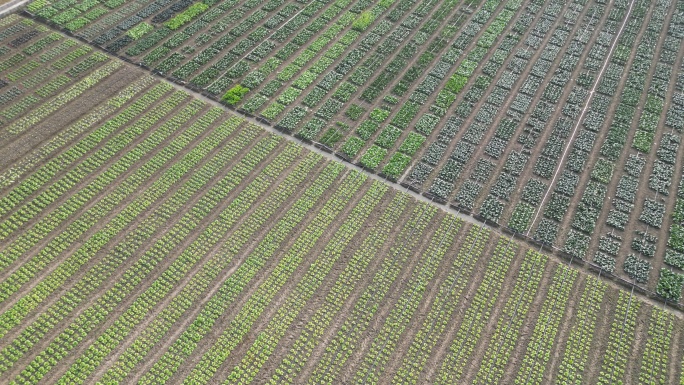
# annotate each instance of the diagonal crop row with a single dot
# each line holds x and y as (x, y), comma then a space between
(61, 346)
(477, 314)
(39, 114)
(385, 343)
(656, 356)
(510, 322)
(89, 218)
(96, 276)
(183, 346)
(109, 340)
(538, 352)
(577, 347)
(450, 292)
(311, 335)
(266, 341)
(620, 339)
(62, 139)
(198, 285)
(342, 345)
(242, 323)
(66, 182)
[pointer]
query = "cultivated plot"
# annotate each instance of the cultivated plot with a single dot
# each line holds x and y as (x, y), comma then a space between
(560, 121)
(148, 236)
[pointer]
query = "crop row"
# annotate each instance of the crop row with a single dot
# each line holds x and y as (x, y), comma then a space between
(340, 348)
(444, 183)
(85, 166)
(293, 362)
(508, 328)
(39, 230)
(448, 297)
(373, 364)
(656, 355)
(497, 21)
(63, 139)
(316, 30)
(268, 338)
(58, 277)
(40, 113)
(184, 345)
(98, 275)
(193, 255)
(46, 87)
(403, 48)
(543, 339)
(247, 315)
(477, 314)
(389, 37)
(567, 184)
(236, 37)
(578, 345)
(199, 283)
(620, 339)
(274, 109)
(78, 329)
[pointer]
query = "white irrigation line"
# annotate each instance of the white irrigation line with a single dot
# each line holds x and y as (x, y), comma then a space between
(9, 7)
(257, 46)
(579, 120)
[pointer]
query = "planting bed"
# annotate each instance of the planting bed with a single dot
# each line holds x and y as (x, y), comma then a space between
(475, 103)
(150, 235)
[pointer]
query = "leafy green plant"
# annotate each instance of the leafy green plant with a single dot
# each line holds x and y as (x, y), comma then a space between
(412, 143)
(234, 95)
(396, 166)
(670, 285)
(352, 146)
(373, 156)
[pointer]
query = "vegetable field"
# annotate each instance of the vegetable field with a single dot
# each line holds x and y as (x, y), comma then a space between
(515, 214)
(560, 121)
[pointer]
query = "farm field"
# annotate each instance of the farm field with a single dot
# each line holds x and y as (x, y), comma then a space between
(558, 121)
(513, 212)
